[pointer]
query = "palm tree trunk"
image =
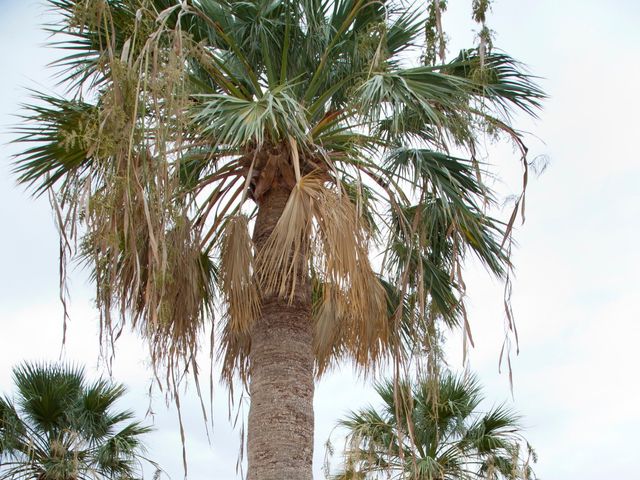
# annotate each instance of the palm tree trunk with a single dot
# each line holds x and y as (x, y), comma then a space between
(280, 427)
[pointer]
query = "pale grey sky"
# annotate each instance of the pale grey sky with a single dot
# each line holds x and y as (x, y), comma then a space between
(576, 291)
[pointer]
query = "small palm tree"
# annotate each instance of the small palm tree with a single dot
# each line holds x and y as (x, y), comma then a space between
(429, 436)
(59, 427)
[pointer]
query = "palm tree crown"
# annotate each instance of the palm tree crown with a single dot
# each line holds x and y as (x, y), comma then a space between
(182, 116)
(417, 435)
(59, 427)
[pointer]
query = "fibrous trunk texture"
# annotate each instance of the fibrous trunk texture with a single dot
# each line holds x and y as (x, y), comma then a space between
(280, 426)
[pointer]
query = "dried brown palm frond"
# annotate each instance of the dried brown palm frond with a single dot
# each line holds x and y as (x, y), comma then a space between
(181, 292)
(341, 335)
(162, 285)
(146, 256)
(284, 256)
(351, 288)
(328, 329)
(233, 354)
(140, 242)
(236, 273)
(320, 231)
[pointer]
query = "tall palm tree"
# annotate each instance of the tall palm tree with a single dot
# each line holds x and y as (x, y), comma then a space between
(417, 435)
(59, 427)
(255, 153)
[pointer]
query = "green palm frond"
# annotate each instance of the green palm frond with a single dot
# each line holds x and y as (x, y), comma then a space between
(499, 80)
(422, 436)
(59, 426)
(58, 135)
(235, 122)
(445, 176)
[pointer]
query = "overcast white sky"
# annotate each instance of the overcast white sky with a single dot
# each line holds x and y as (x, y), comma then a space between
(576, 293)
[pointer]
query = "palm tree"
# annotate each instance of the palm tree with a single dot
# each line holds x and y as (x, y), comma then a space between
(251, 155)
(59, 427)
(422, 436)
